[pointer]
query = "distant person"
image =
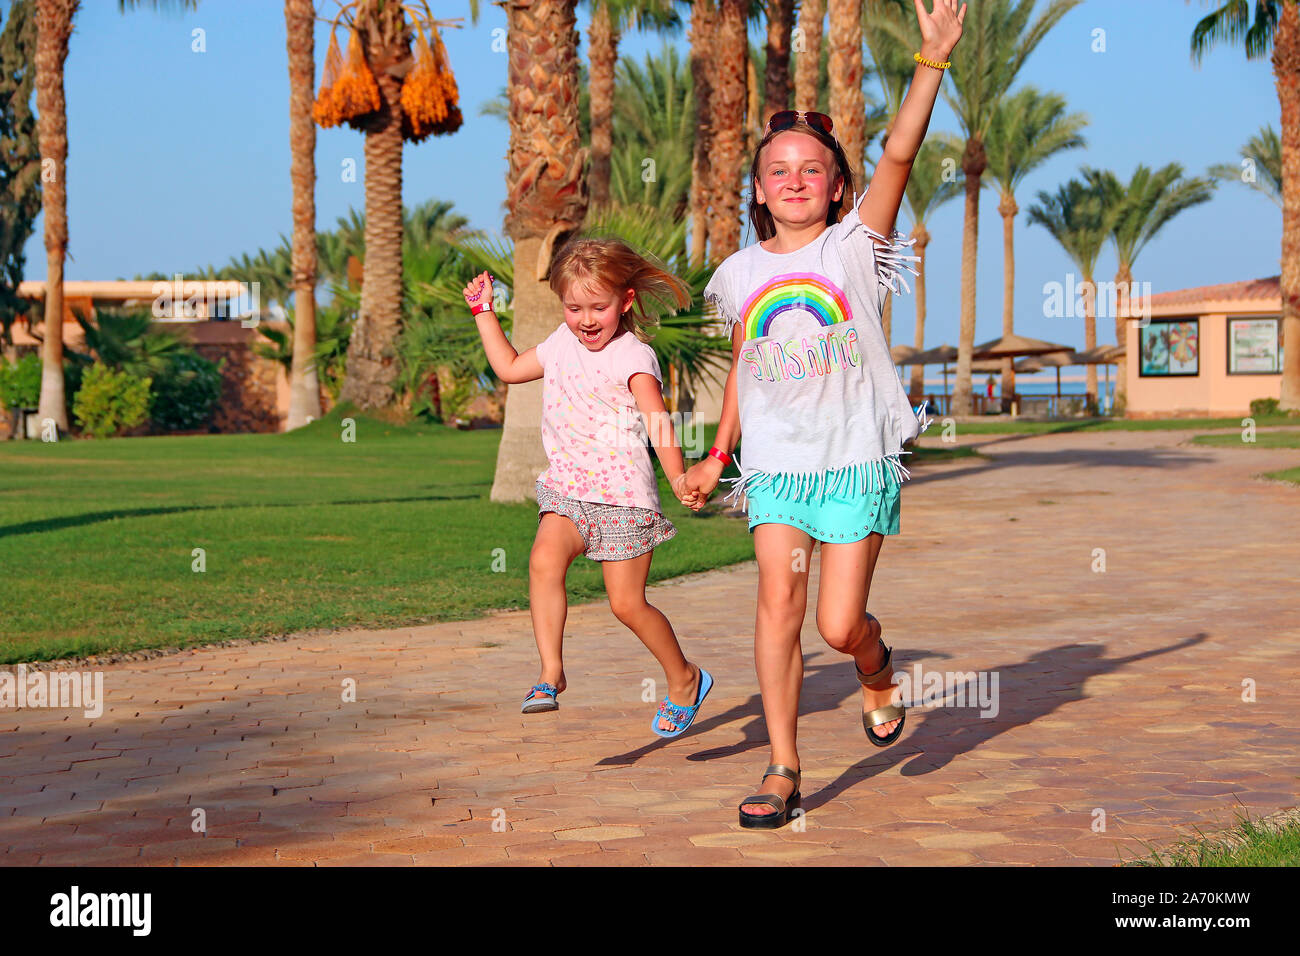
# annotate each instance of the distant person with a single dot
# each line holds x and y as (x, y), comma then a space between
(599, 495)
(988, 387)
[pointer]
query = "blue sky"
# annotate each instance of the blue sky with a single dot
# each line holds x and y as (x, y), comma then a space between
(180, 159)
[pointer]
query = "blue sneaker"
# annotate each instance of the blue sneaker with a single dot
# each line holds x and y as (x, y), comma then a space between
(541, 698)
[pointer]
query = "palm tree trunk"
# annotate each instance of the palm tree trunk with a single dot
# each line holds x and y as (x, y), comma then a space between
(53, 27)
(703, 24)
(604, 54)
(1090, 334)
(304, 386)
(546, 198)
(372, 361)
(974, 163)
(1008, 208)
(812, 14)
(847, 102)
(776, 85)
(922, 236)
(1286, 70)
(731, 62)
(753, 109)
(1123, 281)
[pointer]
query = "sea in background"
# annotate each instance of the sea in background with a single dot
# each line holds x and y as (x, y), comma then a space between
(935, 386)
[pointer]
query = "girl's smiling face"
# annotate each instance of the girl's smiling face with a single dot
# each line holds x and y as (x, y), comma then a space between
(798, 178)
(592, 312)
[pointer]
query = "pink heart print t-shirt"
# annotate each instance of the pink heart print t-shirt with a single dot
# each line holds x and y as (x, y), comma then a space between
(592, 429)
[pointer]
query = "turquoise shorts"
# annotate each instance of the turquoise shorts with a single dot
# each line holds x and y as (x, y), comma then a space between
(838, 518)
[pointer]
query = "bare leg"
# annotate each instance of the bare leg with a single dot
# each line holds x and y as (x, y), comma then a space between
(783, 553)
(556, 545)
(625, 586)
(842, 617)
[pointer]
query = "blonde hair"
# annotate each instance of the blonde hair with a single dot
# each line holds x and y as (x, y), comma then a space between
(614, 265)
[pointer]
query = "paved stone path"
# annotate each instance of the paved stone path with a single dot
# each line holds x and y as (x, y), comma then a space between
(1119, 692)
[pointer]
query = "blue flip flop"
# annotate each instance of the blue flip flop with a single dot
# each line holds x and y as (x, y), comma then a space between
(683, 717)
(539, 705)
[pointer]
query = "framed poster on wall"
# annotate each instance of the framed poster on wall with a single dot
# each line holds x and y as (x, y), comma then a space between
(1254, 347)
(1170, 347)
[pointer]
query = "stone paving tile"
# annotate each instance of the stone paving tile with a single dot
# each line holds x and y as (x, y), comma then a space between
(1118, 691)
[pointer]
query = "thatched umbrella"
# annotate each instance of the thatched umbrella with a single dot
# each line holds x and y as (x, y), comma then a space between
(939, 355)
(904, 354)
(1106, 355)
(1015, 345)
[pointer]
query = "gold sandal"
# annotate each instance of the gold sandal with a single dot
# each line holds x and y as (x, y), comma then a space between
(784, 808)
(882, 715)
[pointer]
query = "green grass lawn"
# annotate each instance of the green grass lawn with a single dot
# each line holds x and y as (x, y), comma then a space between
(1269, 439)
(299, 531)
(1247, 844)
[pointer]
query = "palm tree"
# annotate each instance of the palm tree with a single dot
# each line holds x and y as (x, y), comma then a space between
(1263, 153)
(304, 385)
(1276, 24)
(997, 39)
(892, 67)
(654, 115)
(392, 96)
(807, 86)
(1076, 217)
(776, 73)
(1027, 130)
(704, 16)
(547, 200)
(727, 108)
(931, 184)
(848, 103)
(610, 19)
(1137, 213)
(53, 28)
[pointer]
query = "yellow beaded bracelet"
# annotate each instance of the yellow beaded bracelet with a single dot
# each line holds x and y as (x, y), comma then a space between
(938, 66)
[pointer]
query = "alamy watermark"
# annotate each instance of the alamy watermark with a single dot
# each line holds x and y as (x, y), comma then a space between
(196, 300)
(1070, 299)
(922, 688)
(53, 689)
(631, 430)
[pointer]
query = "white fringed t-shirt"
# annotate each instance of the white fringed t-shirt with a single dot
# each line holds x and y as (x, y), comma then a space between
(822, 408)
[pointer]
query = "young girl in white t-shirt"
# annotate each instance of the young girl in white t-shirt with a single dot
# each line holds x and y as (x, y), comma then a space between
(815, 396)
(598, 495)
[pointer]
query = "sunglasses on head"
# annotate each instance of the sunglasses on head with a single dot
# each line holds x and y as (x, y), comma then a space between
(788, 119)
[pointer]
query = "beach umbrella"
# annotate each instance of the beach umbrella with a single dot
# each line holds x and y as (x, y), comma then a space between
(939, 355)
(1010, 346)
(1106, 355)
(904, 355)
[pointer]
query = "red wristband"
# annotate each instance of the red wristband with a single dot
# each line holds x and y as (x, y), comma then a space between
(481, 307)
(721, 455)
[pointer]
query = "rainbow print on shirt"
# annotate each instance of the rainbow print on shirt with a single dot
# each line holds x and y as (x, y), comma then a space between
(806, 291)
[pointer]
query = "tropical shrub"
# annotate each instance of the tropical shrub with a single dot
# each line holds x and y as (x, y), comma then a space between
(186, 393)
(1263, 406)
(20, 382)
(109, 402)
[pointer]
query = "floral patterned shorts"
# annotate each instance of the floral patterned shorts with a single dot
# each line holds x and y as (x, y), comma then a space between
(611, 532)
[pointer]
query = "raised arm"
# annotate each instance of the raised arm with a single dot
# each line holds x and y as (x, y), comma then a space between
(511, 367)
(940, 32)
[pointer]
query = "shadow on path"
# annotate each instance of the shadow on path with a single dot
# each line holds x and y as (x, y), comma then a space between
(1044, 683)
